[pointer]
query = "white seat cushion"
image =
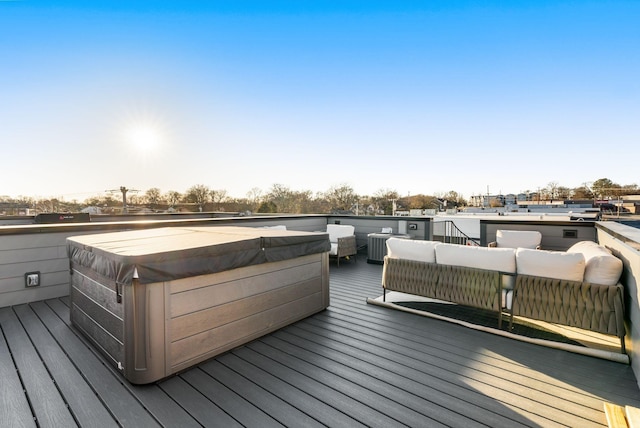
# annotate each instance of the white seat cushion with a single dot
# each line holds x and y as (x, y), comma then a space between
(601, 266)
(507, 298)
(518, 238)
(422, 251)
(550, 264)
(334, 249)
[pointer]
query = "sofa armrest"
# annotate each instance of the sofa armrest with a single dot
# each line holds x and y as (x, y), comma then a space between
(594, 307)
(347, 246)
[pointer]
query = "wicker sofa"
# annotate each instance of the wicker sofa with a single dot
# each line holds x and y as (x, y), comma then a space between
(577, 288)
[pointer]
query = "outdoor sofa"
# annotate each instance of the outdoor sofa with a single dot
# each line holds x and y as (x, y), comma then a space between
(577, 288)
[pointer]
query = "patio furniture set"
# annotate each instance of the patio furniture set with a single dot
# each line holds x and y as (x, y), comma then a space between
(577, 288)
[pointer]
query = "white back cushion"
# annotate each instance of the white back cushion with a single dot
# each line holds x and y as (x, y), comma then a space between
(550, 264)
(601, 266)
(586, 246)
(336, 231)
(518, 238)
(422, 251)
(500, 259)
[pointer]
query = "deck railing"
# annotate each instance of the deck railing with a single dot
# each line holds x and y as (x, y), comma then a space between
(447, 231)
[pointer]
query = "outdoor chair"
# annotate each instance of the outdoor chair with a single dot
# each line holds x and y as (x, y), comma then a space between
(517, 239)
(343, 241)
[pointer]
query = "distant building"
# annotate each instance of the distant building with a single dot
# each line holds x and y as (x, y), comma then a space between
(486, 201)
(510, 199)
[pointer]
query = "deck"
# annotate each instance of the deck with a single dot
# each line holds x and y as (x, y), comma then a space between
(351, 365)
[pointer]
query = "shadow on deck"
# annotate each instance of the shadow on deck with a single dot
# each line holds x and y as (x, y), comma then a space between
(351, 365)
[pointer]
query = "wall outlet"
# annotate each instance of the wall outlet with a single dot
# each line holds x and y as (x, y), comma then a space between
(32, 279)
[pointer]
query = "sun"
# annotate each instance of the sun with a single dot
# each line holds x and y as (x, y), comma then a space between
(144, 137)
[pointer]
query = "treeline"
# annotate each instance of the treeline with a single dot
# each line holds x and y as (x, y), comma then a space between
(282, 199)
(278, 199)
(602, 188)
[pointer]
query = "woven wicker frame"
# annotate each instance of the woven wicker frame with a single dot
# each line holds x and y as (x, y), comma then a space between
(478, 288)
(594, 307)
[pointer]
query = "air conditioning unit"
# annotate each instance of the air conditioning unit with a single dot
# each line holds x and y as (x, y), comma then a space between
(377, 247)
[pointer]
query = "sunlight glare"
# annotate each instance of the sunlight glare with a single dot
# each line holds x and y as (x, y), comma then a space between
(144, 138)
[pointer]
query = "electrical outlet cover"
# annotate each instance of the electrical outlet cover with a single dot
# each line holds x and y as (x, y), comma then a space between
(32, 279)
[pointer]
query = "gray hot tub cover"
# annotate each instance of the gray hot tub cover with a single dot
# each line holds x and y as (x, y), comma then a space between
(165, 254)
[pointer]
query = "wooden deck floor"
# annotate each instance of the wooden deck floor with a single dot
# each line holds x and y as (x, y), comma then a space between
(351, 365)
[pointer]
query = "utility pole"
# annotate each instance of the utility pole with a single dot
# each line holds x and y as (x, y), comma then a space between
(124, 191)
(393, 206)
(487, 203)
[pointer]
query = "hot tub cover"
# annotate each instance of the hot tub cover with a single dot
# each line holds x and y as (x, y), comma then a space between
(164, 254)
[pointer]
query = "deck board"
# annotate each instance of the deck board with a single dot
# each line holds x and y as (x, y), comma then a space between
(274, 377)
(123, 407)
(276, 407)
(203, 410)
(464, 367)
(14, 406)
(434, 391)
(86, 406)
(351, 365)
(49, 407)
(230, 401)
(349, 396)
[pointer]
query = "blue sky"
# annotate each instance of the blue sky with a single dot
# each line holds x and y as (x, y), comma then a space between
(413, 96)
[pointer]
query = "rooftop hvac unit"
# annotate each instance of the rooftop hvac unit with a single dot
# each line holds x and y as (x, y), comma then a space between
(377, 246)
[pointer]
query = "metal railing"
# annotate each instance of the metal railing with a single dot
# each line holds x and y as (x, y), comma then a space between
(447, 231)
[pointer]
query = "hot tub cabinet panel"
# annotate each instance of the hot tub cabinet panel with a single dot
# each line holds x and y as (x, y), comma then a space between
(151, 330)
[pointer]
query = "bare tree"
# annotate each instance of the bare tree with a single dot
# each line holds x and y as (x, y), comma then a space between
(173, 197)
(153, 196)
(454, 198)
(303, 202)
(282, 197)
(341, 197)
(552, 190)
(385, 199)
(564, 192)
(421, 202)
(218, 197)
(582, 192)
(630, 189)
(198, 194)
(254, 197)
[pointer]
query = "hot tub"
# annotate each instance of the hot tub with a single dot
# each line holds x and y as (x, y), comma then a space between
(157, 301)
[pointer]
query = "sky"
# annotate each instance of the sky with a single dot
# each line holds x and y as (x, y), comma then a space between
(420, 97)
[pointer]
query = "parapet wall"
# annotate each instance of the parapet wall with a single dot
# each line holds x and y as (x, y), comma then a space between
(40, 250)
(624, 242)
